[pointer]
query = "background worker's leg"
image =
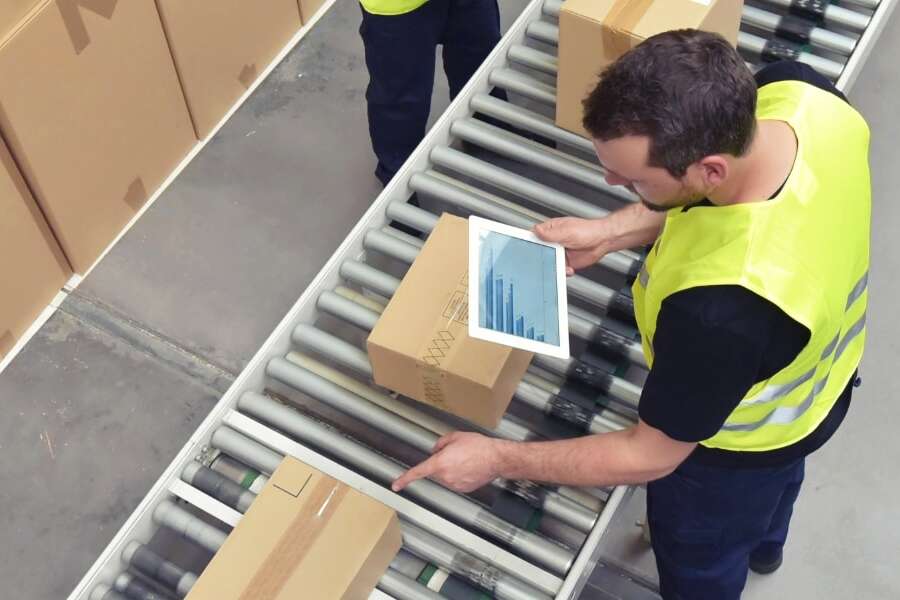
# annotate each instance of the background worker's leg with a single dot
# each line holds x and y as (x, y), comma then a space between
(705, 521)
(400, 55)
(769, 550)
(472, 31)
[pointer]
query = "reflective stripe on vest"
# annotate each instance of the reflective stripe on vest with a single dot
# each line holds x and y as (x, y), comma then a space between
(391, 7)
(806, 251)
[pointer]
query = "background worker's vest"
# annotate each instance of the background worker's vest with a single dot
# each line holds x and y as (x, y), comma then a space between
(806, 251)
(391, 7)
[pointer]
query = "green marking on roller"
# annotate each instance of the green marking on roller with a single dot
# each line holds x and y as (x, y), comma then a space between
(249, 477)
(426, 574)
(535, 521)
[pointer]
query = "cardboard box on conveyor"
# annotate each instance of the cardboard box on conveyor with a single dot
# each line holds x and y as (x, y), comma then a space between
(421, 347)
(305, 536)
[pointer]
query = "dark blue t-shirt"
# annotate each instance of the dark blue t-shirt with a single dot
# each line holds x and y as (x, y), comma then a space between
(713, 343)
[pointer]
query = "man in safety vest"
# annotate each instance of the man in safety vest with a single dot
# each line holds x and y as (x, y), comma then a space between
(400, 38)
(751, 303)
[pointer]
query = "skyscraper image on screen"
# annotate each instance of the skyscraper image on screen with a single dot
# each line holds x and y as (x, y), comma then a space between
(517, 288)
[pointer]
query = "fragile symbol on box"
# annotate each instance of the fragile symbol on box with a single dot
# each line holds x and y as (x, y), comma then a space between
(457, 308)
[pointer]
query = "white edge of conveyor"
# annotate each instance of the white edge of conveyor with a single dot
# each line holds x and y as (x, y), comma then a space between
(140, 525)
(865, 44)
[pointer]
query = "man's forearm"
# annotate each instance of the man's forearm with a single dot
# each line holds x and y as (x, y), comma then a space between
(631, 226)
(597, 460)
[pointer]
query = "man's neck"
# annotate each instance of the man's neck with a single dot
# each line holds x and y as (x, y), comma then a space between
(760, 173)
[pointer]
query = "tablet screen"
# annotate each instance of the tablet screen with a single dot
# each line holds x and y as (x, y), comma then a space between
(518, 293)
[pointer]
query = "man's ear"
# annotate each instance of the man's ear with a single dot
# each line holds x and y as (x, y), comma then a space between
(712, 170)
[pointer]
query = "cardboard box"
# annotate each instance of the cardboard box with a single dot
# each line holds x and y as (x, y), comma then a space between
(421, 347)
(93, 114)
(305, 536)
(32, 266)
(222, 46)
(594, 33)
(309, 8)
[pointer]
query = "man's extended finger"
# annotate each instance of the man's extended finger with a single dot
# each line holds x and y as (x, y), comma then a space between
(420, 471)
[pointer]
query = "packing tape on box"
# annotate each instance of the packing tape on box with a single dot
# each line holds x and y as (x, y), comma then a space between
(443, 343)
(619, 24)
(296, 542)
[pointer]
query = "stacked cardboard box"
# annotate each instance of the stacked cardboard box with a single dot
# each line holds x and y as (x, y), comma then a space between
(32, 265)
(222, 46)
(96, 118)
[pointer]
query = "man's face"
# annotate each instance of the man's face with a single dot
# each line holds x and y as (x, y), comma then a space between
(625, 161)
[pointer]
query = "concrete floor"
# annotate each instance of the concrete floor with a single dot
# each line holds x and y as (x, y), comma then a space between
(101, 399)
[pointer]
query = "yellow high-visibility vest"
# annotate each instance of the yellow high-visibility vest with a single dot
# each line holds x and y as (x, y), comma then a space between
(391, 7)
(806, 250)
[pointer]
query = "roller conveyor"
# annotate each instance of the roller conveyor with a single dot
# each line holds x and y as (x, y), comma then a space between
(308, 392)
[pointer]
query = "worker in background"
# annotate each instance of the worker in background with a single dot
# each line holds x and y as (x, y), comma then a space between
(400, 38)
(751, 304)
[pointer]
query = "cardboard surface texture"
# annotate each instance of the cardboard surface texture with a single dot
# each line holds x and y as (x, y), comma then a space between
(594, 33)
(308, 8)
(222, 46)
(96, 118)
(421, 347)
(32, 267)
(12, 12)
(305, 536)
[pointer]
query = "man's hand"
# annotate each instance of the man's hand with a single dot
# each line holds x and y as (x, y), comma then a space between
(584, 239)
(460, 461)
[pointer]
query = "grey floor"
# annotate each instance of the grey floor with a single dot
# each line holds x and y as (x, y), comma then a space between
(111, 387)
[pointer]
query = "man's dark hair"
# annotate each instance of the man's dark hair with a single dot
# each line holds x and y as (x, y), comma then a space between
(689, 91)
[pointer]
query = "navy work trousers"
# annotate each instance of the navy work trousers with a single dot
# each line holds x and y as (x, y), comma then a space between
(706, 521)
(400, 56)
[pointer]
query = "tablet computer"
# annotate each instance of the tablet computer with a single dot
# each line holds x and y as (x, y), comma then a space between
(517, 289)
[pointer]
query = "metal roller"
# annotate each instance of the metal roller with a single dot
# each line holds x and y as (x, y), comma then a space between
(798, 30)
(215, 484)
(509, 428)
(524, 85)
(188, 526)
(543, 31)
(134, 589)
(360, 389)
(761, 47)
(830, 13)
(256, 455)
(102, 591)
(436, 550)
(530, 121)
(533, 153)
(533, 59)
(544, 552)
(517, 184)
(153, 566)
(401, 586)
(354, 406)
